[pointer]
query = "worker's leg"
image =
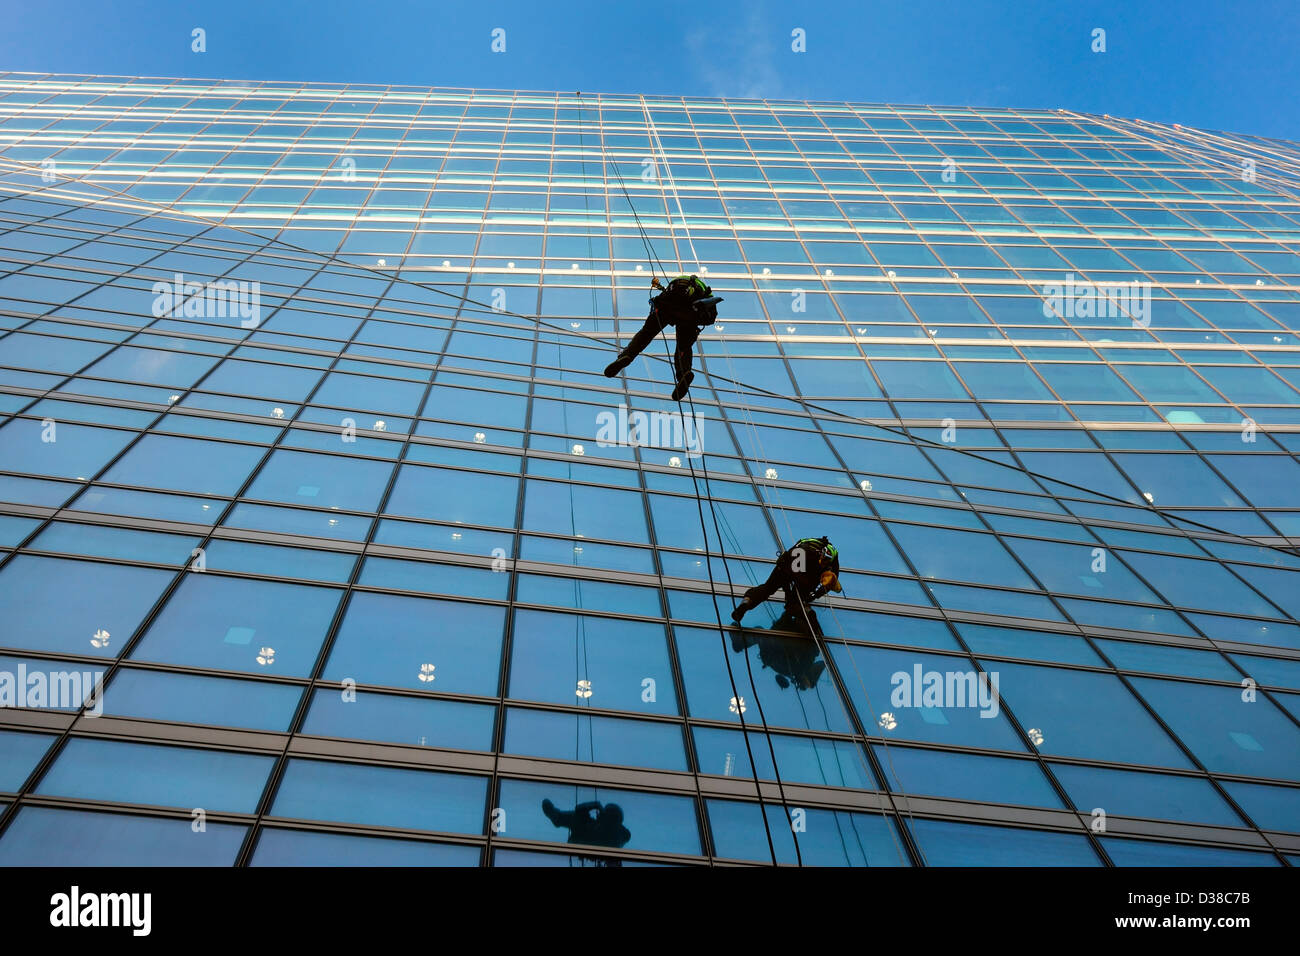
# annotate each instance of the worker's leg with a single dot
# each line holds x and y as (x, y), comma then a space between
(756, 595)
(685, 353)
(654, 324)
(561, 818)
(687, 333)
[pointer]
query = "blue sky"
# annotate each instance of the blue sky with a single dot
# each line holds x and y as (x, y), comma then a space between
(1220, 65)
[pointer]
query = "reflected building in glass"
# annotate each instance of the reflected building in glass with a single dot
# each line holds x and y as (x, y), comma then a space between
(310, 477)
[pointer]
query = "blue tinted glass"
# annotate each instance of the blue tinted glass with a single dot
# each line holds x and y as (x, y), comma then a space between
(606, 740)
(111, 601)
(19, 754)
(40, 836)
(317, 524)
(828, 837)
(966, 776)
(892, 629)
(1084, 714)
(382, 796)
(459, 497)
(75, 451)
(834, 763)
(264, 559)
(1131, 793)
(973, 844)
(186, 464)
(1035, 645)
(790, 681)
(1227, 734)
(13, 530)
(321, 481)
(276, 847)
(99, 541)
(587, 595)
(587, 554)
(1147, 853)
(1183, 661)
(435, 578)
(232, 624)
(902, 684)
(420, 721)
(583, 510)
(215, 780)
(219, 701)
(144, 504)
(1270, 671)
(599, 817)
(1271, 808)
(624, 662)
(447, 646)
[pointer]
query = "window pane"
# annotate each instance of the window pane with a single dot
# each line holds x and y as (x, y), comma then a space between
(974, 844)
(604, 740)
(649, 821)
(912, 770)
(1227, 735)
(187, 699)
(834, 763)
(231, 623)
(276, 847)
(1158, 796)
(215, 780)
(418, 643)
(322, 481)
(19, 755)
(1148, 853)
(1084, 714)
(1271, 808)
(112, 599)
(426, 722)
(796, 693)
(884, 682)
(40, 836)
(382, 796)
(831, 837)
(625, 663)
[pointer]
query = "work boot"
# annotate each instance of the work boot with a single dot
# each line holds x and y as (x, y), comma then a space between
(683, 384)
(616, 366)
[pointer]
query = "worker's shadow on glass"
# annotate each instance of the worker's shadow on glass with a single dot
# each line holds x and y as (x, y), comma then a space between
(592, 823)
(795, 660)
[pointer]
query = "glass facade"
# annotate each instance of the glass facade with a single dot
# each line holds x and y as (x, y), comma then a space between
(307, 450)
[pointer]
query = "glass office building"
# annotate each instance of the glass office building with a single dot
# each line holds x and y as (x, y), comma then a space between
(326, 540)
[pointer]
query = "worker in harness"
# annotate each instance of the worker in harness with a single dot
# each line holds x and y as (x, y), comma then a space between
(805, 572)
(689, 305)
(591, 823)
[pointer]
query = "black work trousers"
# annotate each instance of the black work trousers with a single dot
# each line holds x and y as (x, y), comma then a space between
(687, 334)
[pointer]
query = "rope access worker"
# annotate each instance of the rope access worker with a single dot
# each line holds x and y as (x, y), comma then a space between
(592, 823)
(805, 572)
(689, 305)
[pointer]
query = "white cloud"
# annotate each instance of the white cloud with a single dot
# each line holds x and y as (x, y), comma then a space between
(739, 60)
